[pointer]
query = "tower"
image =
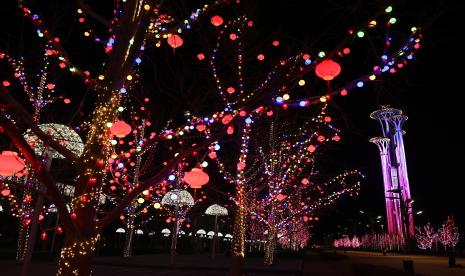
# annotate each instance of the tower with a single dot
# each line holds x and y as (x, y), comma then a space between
(399, 212)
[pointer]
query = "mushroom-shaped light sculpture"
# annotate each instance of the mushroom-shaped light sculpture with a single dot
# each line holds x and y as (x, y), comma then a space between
(216, 210)
(166, 232)
(66, 136)
(120, 230)
(201, 233)
(177, 197)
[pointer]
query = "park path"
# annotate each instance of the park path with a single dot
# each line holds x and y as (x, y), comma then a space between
(423, 265)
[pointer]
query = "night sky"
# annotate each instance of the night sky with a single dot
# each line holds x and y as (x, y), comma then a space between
(428, 91)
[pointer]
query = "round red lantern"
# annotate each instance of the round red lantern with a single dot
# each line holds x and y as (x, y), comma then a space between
(311, 148)
(120, 129)
(328, 69)
(216, 20)
(196, 178)
(10, 163)
(175, 41)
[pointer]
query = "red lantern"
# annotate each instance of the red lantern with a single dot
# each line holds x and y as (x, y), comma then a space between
(216, 20)
(175, 41)
(281, 197)
(305, 181)
(311, 148)
(6, 192)
(10, 163)
(328, 69)
(43, 236)
(241, 166)
(120, 129)
(196, 178)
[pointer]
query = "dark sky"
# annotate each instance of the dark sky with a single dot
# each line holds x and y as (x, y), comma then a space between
(428, 91)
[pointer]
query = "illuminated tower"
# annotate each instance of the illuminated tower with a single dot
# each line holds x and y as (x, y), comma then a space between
(399, 212)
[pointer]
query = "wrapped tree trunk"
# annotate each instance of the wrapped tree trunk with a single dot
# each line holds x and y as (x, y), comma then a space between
(22, 241)
(129, 231)
(76, 256)
(271, 243)
(238, 244)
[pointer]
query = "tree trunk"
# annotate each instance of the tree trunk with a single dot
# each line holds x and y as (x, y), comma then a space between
(23, 236)
(271, 244)
(270, 247)
(215, 238)
(76, 256)
(129, 231)
(238, 244)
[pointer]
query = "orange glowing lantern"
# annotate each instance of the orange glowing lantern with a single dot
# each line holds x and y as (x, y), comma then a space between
(175, 41)
(328, 69)
(216, 20)
(120, 129)
(196, 178)
(10, 163)
(281, 197)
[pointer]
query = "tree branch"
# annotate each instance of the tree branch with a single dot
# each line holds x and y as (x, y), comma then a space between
(44, 176)
(162, 174)
(21, 112)
(90, 12)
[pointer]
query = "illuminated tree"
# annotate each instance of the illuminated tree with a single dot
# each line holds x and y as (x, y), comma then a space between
(282, 190)
(448, 235)
(425, 236)
(355, 242)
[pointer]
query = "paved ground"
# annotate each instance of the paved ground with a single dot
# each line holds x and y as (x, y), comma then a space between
(423, 265)
(352, 263)
(145, 265)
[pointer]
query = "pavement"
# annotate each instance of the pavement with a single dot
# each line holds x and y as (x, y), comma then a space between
(422, 264)
(351, 263)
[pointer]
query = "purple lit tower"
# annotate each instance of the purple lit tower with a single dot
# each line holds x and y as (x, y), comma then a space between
(399, 212)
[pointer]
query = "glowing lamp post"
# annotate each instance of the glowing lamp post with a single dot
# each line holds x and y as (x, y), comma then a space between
(216, 210)
(10, 163)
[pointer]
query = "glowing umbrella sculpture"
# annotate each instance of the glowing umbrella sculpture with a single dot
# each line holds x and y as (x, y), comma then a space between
(178, 198)
(216, 210)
